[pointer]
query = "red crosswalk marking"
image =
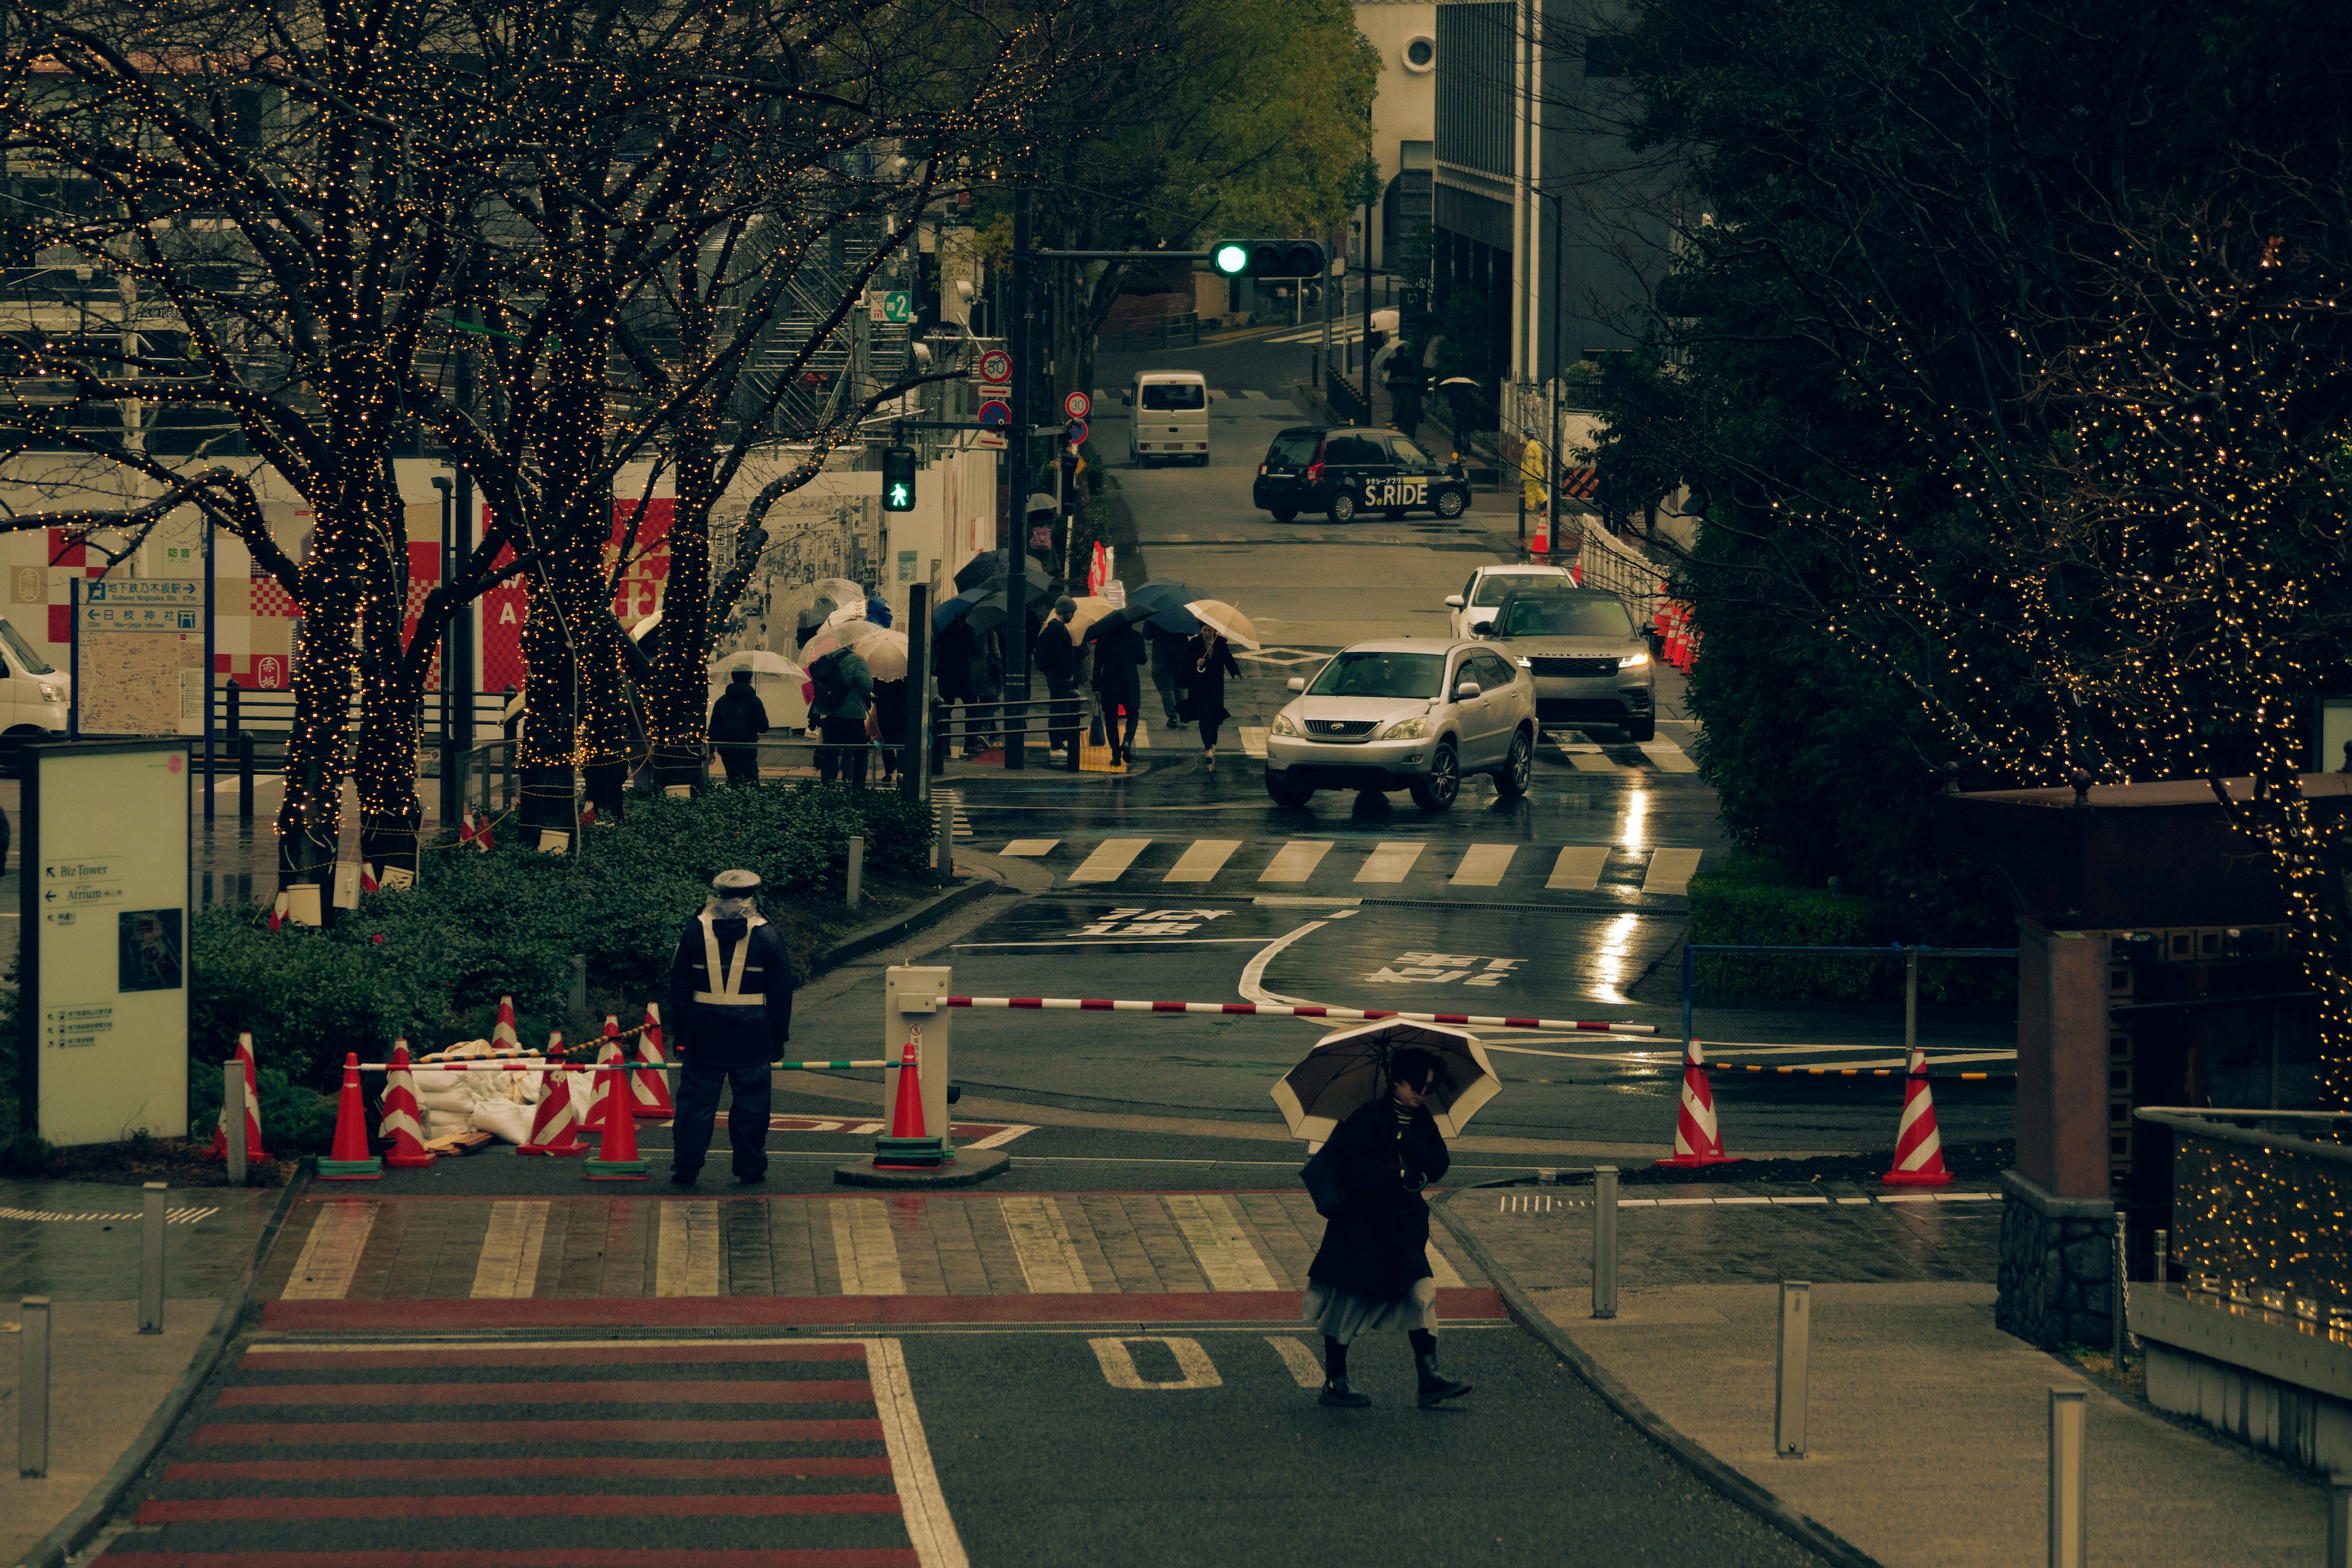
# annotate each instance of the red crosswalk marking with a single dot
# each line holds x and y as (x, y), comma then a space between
(469, 1434)
(649, 1467)
(620, 1392)
(175, 1511)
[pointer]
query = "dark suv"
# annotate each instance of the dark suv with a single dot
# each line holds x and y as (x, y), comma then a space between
(1342, 472)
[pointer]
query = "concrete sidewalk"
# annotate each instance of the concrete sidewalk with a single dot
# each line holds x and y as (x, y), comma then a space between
(1927, 1427)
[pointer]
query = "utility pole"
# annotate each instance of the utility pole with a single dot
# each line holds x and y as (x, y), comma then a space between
(1016, 462)
(1551, 453)
(1367, 313)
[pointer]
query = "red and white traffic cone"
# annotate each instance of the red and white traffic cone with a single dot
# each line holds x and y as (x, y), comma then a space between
(351, 1159)
(502, 1033)
(402, 1126)
(908, 1146)
(616, 1159)
(649, 1085)
(608, 1052)
(253, 1149)
(1919, 1147)
(368, 884)
(1697, 1142)
(556, 1129)
(278, 910)
(1539, 542)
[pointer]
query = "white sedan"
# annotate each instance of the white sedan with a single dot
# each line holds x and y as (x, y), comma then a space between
(1473, 608)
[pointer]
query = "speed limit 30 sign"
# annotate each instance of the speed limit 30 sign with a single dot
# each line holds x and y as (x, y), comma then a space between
(1077, 404)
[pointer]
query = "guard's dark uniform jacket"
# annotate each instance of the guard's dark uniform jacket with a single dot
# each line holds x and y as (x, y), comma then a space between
(731, 1000)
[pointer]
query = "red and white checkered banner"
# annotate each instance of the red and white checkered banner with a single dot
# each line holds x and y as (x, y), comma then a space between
(1258, 1010)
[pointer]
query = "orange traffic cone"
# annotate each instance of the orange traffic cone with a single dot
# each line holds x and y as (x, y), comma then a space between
(617, 1160)
(1539, 544)
(1696, 1139)
(253, 1149)
(592, 1102)
(649, 1085)
(352, 1160)
(1919, 1147)
(908, 1147)
(402, 1127)
(502, 1033)
(556, 1129)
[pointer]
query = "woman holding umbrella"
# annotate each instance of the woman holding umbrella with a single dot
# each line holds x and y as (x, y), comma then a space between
(1205, 686)
(1118, 655)
(1372, 1271)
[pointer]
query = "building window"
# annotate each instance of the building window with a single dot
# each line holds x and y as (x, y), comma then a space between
(1474, 85)
(1419, 53)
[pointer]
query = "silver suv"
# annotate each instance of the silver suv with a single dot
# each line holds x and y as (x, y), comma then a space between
(1411, 713)
(1590, 664)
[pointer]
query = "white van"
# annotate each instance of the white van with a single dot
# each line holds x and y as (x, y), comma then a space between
(1168, 416)
(33, 697)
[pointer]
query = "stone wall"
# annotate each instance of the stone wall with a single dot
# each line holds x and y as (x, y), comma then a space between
(2056, 1264)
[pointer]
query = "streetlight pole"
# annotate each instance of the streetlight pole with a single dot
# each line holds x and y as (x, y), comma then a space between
(1016, 462)
(1367, 313)
(1551, 452)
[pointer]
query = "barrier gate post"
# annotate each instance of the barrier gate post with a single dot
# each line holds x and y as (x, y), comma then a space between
(912, 1009)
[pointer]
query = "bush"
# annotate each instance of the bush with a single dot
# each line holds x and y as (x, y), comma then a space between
(1749, 900)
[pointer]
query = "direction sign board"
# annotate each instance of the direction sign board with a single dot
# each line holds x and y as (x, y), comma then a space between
(899, 305)
(994, 414)
(1077, 405)
(997, 366)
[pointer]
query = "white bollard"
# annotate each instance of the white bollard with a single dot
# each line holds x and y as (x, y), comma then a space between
(947, 840)
(33, 1389)
(233, 1117)
(857, 871)
(1604, 1241)
(1789, 1384)
(151, 1257)
(2339, 1520)
(2070, 1533)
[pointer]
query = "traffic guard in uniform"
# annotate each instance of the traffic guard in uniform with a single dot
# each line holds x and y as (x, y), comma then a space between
(731, 1006)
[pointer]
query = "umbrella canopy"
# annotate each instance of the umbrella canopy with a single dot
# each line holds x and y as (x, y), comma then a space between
(1089, 612)
(759, 661)
(1119, 616)
(1161, 593)
(1348, 1070)
(1229, 622)
(884, 650)
(984, 568)
(1042, 501)
(856, 612)
(987, 613)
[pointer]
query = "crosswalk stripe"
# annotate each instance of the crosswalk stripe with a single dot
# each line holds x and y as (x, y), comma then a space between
(1441, 1269)
(1253, 740)
(508, 1265)
(1030, 846)
(1670, 871)
(1579, 868)
(1589, 759)
(1218, 392)
(1483, 864)
(1295, 861)
(864, 1248)
(1300, 1362)
(1214, 1231)
(1390, 863)
(1254, 392)
(1202, 862)
(1110, 860)
(331, 1253)
(686, 1252)
(1041, 1242)
(1670, 758)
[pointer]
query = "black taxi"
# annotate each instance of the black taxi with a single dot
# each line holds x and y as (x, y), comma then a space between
(1340, 472)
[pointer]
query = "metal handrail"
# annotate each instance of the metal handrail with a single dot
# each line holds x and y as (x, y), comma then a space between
(2191, 1120)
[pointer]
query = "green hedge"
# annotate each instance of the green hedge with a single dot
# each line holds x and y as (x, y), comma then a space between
(1749, 901)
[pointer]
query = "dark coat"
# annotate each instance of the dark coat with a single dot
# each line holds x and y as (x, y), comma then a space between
(1118, 655)
(952, 651)
(1379, 1245)
(1054, 655)
(1204, 696)
(741, 718)
(731, 1037)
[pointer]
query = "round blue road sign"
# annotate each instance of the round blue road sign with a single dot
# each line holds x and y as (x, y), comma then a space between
(996, 415)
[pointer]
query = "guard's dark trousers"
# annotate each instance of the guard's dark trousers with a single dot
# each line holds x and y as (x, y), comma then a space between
(747, 1118)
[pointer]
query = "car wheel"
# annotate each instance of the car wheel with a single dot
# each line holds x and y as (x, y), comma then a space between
(1511, 778)
(1284, 513)
(1452, 503)
(1644, 730)
(1343, 507)
(1285, 793)
(1435, 790)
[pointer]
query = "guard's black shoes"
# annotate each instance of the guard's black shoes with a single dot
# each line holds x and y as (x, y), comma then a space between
(1336, 1392)
(683, 1178)
(754, 1180)
(1434, 1384)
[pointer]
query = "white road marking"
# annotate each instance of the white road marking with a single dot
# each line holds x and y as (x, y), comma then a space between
(331, 1253)
(1254, 392)
(1390, 863)
(1669, 757)
(1441, 1269)
(1305, 1370)
(1119, 1368)
(1483, 864)
(1110, 860)
(864, 1248)
(1202, 861)
(1295, 861)
(508, 1265)
(1670, 871)
(686, 1250)
(1041, 1242)
(1213, 1230)
(1253, 740)
(1030, 846)
(999, 1139)
(1589, 760)
(931, 1529)
(1579, 868)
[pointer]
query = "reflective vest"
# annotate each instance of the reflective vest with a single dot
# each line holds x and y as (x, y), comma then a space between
(730, 980)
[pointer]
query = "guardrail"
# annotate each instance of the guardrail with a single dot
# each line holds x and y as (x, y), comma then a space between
(1910, 956)
(2255, 1197)
(982, 726)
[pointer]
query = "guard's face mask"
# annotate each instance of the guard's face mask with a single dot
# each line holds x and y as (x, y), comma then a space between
(730, 909)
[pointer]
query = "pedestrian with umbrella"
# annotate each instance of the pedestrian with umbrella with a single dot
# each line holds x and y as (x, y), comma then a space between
(1168, 671)
(843, 689)
(1205, 693)
(737, 721)
(1057, 658)
(1384, 1097)
(1118, 655)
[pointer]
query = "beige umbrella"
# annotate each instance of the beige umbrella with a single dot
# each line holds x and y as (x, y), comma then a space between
(1089, 612)
(1229, 622)
(884, 650)
(1346, 1071)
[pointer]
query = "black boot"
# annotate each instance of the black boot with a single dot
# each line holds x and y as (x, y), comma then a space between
(1434, 1384)
(1336, 1392)
(1335, 1377)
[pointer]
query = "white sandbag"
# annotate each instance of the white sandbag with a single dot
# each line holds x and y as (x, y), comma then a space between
(504, 1119)
(454, 1101)
(431, 1081)
(440, 1124)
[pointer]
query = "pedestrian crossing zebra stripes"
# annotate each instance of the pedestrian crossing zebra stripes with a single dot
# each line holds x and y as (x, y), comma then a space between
(1360, 867)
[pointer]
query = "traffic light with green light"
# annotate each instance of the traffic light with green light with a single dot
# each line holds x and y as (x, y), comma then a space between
(1268, 258)
(898, 479)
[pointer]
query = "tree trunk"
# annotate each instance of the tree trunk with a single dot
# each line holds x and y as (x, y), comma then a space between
(676, 700)
(392, 815)
(309, 818)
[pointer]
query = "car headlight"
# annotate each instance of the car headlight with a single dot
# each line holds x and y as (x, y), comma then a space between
(1524, 662)
(1283, 726)
(1411, 729)
(1633, 661)
(51, 692)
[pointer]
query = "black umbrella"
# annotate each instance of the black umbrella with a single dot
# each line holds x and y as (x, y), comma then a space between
(987, 613)
(980, 568)
(1345, 1072)
(1161, 593)
(1127, 614)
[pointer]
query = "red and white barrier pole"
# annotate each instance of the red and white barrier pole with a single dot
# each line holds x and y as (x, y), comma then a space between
(1257, 1010)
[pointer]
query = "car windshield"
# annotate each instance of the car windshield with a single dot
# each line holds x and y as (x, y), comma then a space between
(1406, 452)
(1167, 397)
(1496, 587)
(34, 663)
(1596, 615)
(1380, 675)
(1293, 446)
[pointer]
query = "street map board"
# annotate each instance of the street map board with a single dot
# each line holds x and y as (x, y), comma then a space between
(139, 658)
(104, 1047)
